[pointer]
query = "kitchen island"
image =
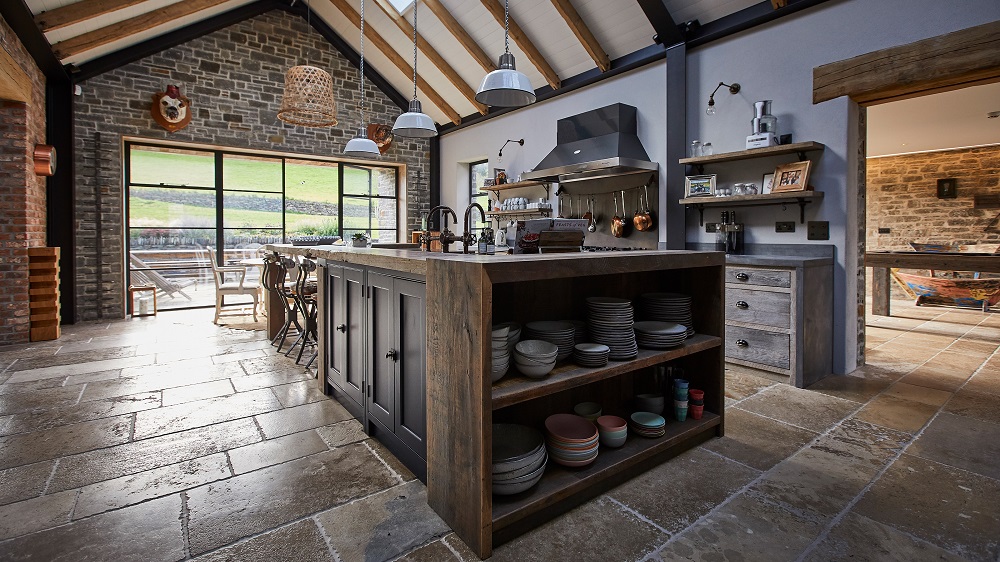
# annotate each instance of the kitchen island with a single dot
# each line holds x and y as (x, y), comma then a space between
(425, 387)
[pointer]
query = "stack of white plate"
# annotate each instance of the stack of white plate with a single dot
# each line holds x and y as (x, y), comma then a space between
(591, 354)
(648, 424)
(609, 321)
(535, 358)
(572, 440)
(651, 334)
(519, 458)
(668, 307)
(500, 353)
(513, 333)
(563, 334)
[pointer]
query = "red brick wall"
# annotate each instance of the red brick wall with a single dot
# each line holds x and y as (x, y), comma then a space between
(22, 193)
(902, 196)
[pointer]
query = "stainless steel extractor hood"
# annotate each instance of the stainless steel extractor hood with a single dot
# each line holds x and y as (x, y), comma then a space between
(600, 143)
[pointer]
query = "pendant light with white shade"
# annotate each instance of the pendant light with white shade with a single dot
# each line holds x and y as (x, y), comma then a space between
(505, 86)
(362, 145)
(414, 123)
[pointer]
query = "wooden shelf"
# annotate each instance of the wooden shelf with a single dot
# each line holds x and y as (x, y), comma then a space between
(515, 388)
(516, 185)
(800, 198)
(520, 213)
(799, 148)
(561, 483)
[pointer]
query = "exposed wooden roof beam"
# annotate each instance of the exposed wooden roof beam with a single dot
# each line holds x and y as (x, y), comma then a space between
(431, 53)
(103, 36)
(582, 32)
(82, 10)
(496, 8)
(463, 36)
(403, 66)
(14, 83)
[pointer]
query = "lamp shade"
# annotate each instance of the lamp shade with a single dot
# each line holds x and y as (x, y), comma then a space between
(308, 98)
(506, 87)
(361, 146)
(414, 123)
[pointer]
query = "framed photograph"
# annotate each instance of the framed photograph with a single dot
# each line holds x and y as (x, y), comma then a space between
(499, 176)
(947, 188)
(791, 177)
(765, 185)
(699, 186)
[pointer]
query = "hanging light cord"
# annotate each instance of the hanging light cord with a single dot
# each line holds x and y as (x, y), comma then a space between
(361, 89)
(506, 26)
(415, 2)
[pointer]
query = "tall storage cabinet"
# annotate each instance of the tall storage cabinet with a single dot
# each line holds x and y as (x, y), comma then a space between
(376, 359)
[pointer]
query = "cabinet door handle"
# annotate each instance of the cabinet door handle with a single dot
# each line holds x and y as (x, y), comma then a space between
(342, 328)
(393, 354)
(742, 343)
(742, 276)
(742, 304)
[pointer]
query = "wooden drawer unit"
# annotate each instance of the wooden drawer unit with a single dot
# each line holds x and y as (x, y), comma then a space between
(769, 308)
(758, 346)
(744, 275)
(780, 319)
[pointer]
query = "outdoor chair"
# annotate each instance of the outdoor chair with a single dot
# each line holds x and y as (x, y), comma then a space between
(169, 287)
(224, 287)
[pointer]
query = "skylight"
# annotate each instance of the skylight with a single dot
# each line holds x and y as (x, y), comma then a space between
(401, 5)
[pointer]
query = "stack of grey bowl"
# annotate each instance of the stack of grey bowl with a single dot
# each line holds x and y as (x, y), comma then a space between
(500, 353)
(519, 458)
(535, 358)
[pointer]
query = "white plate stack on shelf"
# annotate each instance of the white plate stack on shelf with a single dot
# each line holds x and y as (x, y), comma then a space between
(667, 307)
(563, 334)
(591, 354)
(519, 458)
(651, 334)
(610, 322)
(535, 358)
(500, 353)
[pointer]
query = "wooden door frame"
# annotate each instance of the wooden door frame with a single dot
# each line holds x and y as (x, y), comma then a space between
(946, 62)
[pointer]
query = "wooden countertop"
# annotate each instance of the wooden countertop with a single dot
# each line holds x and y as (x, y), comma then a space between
(520, 267)
(935, 260)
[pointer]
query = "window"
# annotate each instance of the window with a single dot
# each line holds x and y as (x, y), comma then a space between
(181, 201)
(401, 5)
(478, 172)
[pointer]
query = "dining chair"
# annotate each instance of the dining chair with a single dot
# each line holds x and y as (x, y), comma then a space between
(224, 287)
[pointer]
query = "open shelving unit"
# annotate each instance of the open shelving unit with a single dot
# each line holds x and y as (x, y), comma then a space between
(799, 148)
(800, 198)
(463, 404)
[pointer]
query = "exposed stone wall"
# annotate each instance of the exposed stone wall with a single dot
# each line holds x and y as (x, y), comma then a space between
(22, 193)
(234, 78)
(902, 196)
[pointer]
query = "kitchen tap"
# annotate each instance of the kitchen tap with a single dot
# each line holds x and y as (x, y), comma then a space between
(446, 237)
(470, 237)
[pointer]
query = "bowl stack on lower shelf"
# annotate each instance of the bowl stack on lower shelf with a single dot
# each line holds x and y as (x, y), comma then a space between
(519, 458)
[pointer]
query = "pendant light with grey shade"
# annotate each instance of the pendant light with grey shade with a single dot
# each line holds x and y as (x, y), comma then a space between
(362, 145)
(414, 123)
(505, 86)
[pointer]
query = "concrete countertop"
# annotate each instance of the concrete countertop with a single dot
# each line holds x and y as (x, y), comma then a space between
(778, 261)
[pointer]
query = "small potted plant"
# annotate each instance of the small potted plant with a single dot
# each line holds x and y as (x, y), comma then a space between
(359, 240)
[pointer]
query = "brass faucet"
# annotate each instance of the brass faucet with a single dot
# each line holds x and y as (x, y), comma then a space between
(470, 237)
(446, 237)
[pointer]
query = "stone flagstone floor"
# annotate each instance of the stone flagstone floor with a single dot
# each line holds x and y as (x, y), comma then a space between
(169, 438)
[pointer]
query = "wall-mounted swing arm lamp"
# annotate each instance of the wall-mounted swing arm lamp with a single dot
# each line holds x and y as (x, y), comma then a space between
(520, 142)
(734, 88)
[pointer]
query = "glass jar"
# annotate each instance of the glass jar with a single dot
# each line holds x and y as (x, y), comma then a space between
(707, 149)
(695, 150)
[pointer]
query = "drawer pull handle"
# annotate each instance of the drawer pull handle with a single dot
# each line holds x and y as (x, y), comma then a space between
(342, 328)
(742, 343)
(742, 276)
(393, 354)
(742, 304)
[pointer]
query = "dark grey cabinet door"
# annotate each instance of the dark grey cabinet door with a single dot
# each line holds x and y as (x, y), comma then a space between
(409, 333)
(353, 337)
(382, 352)
(336, 325)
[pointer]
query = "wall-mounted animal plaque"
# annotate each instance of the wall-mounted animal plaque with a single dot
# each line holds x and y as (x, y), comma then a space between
(171, 110)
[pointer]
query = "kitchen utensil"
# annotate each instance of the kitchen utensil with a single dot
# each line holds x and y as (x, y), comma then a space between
(592, 227)
(617, 222)
(562, 208)
(649, 211)
(642, 219)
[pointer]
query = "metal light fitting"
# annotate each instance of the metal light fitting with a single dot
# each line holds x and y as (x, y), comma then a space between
(362, 145)
(505, 86)
(414, 123)
(734, 88)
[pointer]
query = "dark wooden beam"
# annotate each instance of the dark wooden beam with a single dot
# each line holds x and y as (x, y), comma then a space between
(948, 61)
(583, 34)
(20, 19)
(760, 13)
(667, 32)
(460, 34)
(81, 10)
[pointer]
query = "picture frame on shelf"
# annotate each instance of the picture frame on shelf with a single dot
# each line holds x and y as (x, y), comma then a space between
(767, 183)
(791, 177)
(499, 176)
(699, 186)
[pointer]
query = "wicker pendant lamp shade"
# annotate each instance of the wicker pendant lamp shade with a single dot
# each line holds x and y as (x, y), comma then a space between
(308, 98)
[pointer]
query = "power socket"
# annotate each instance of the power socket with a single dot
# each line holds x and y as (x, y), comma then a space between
(818, 230)
(711, 227)
(783, 226)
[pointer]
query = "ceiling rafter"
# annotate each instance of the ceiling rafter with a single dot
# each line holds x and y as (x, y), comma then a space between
(121, 30)
(583, 34)
(82, 10)
(522, 40)
(431, 53)
(463, 37)
(382, 45)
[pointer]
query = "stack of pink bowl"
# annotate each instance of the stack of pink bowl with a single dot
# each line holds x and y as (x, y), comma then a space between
(572, 440)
